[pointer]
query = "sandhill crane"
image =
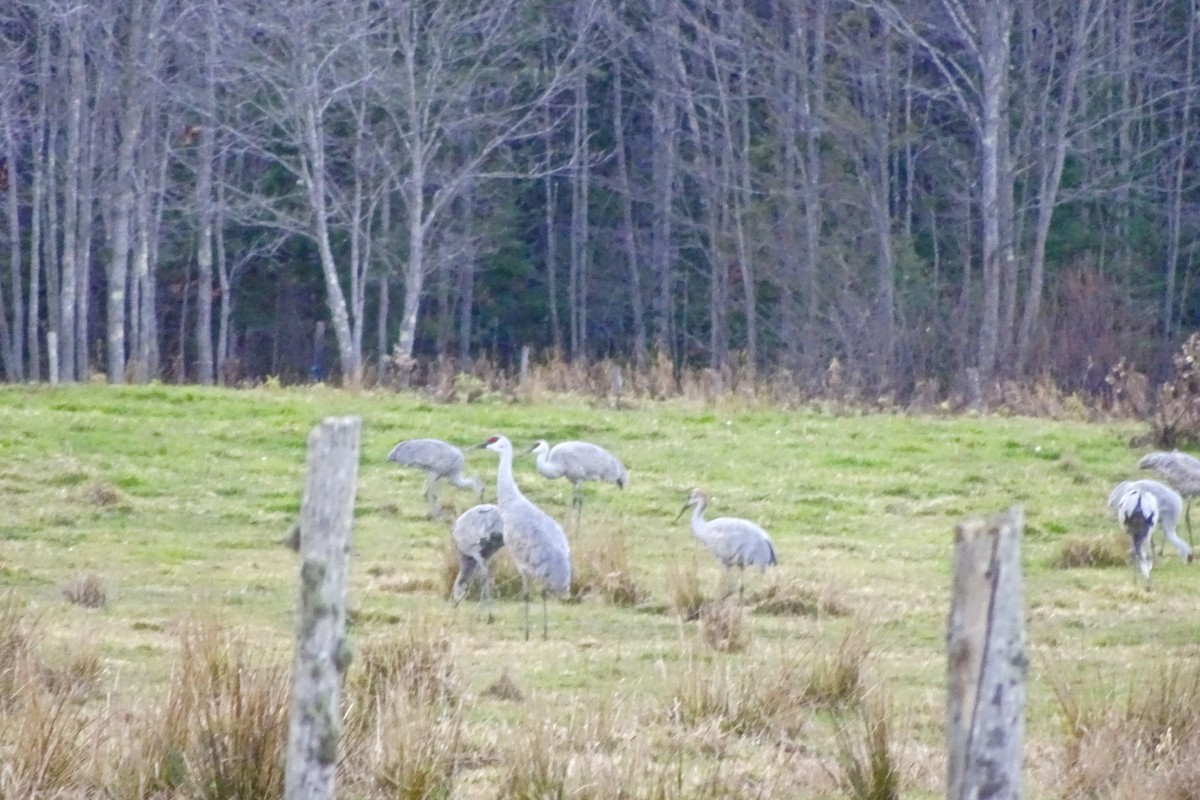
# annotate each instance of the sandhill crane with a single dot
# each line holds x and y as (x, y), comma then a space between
(735, 542)
(1180, 470)
(535, 541)
(478, 534)
(1128, 500)
(579, 462)
(438, 459)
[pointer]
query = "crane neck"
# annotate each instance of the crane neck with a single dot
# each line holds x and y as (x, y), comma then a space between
(699, 526)
(506, 485)
(547, 467)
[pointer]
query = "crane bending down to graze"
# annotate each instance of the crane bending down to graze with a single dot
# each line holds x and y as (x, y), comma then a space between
(478, 534)
(1180, 470)
(438, 459)
(579, 462)
(535, 541)
(1127, 499)
(733, 541)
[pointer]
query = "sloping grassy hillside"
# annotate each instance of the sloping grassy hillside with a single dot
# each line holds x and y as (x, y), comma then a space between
(174, 501)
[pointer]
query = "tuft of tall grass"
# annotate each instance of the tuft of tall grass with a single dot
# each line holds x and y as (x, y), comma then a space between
(48, 745)
(601, 566)
(1143, 745)
(47, 736)
(797, 600)
(837, 677)
(753, 700)
(538, 764)
(868, 756)
(1092, 551)
(402, 748)
(418, 663)
(87, 590)
(686, 596)
(221, 731)
(723, 626)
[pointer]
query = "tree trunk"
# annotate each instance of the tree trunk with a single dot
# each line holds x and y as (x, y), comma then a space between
(664, 131)
(205, 159)
(995, 24)
(624, 190)
(580, 171)
(76, 91)
(14, 353)
(315, 178)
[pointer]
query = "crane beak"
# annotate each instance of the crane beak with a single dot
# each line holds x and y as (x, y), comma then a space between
(680, 514)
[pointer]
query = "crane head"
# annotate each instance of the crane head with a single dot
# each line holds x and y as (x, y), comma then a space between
(496, 444)
(539, 447)
(695, 497)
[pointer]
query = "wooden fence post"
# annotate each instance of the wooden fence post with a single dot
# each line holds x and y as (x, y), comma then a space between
(985, 714)
(322, 653)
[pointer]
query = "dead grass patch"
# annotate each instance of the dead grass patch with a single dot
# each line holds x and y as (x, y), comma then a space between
(752, 700)
(838, 677)
(723, 627)
(505, 688)
(1143, 745)
(797, 600)
(686, 596)
(1092, 552)
(600, 566)
(103, 494)
(418, 663)
(87, 590)
(869, 759)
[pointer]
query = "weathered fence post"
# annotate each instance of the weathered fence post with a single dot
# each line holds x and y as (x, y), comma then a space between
(985, 714)
(322, 653)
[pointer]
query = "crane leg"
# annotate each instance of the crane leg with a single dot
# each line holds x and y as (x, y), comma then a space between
(525, 594)
(431, 497)
(1187, 519)
(485, 592)
(545, 622)
(577, 505)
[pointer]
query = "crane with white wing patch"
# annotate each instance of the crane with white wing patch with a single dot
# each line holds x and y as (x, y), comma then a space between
(1142, 505)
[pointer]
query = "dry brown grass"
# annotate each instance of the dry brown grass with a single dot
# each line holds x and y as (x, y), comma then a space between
(600, 566)
(796, 599)
(869, 754)
(48, 740)
(87, 590)
(684, 591)
(838, 676)
(723, 626)
(1092, 551)
(1141, 745)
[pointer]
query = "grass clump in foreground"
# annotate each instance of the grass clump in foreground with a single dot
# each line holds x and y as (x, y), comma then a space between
(1141, 743)
(182, 522)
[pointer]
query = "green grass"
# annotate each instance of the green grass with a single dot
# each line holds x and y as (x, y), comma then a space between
(177, 500)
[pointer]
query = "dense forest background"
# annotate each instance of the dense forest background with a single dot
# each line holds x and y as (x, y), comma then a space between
(920, 192)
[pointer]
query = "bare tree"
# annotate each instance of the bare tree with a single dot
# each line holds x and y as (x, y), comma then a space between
(452, 109)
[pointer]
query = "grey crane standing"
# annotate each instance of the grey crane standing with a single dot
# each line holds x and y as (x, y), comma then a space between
(478, 534)
(439, 460)
(1140, 505)
(579, 462)
(1180, 470)
(535, 541)
(733, 541)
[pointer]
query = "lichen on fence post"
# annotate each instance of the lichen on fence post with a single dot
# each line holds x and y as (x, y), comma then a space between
(985, 714)
(322, 652)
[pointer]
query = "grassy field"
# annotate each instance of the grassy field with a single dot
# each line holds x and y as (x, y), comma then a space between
(171, 503)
